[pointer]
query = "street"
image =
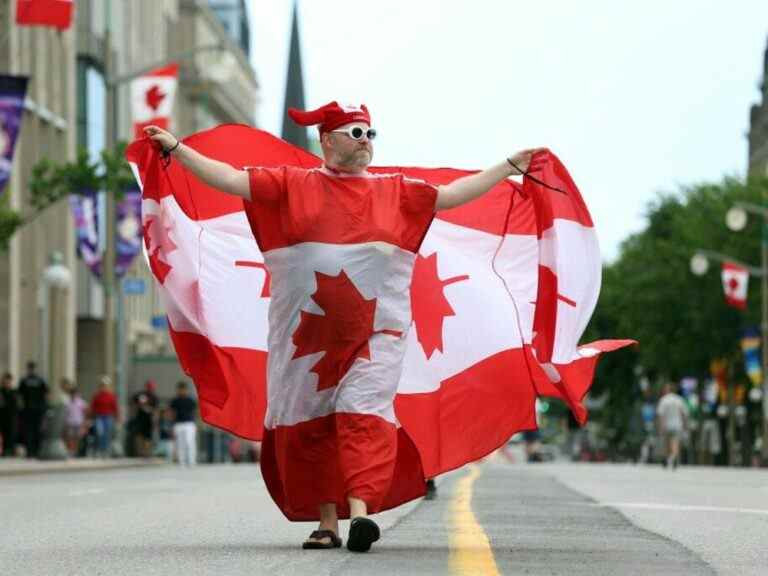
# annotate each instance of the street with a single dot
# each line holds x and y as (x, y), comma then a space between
(489, 518)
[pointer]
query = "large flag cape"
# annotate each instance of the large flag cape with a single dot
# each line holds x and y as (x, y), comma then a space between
(502, 290)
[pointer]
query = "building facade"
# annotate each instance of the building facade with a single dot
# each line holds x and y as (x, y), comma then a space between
(66, 110)
(758, 128)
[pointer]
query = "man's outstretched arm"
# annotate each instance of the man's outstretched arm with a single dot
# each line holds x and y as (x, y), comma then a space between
(219, 175)
(468, 188)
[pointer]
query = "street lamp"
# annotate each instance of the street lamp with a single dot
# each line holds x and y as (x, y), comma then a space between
(55, 277)
(736, 220)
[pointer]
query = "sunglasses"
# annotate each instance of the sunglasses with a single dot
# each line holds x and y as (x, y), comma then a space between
(357, 133)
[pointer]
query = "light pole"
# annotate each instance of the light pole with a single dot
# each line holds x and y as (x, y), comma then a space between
(736, 220)
(55, 277)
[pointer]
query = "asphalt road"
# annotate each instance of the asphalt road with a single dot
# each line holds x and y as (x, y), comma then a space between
(491, 518)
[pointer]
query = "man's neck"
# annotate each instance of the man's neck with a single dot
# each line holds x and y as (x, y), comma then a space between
(351, 170)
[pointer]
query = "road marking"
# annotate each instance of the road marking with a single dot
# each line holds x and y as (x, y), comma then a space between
(471, 552)
(681, 507)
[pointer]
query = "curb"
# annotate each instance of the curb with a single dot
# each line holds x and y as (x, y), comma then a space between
(64, 468)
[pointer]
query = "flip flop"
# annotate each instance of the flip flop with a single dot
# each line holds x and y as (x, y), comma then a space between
(317, 534)
(362, 533)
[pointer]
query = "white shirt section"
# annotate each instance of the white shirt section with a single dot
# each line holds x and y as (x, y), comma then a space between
(572, 252)
(486, 317)
(672, 411)
(377, 270)
(141, 110)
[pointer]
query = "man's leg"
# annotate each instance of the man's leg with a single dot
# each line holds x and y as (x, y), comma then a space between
(329, 520)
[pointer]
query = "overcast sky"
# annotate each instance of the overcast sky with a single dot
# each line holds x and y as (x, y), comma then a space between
(634, 97)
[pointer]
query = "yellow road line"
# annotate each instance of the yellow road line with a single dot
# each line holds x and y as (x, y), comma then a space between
(471, 552)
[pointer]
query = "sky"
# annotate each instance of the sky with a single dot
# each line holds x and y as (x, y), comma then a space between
(636, 98)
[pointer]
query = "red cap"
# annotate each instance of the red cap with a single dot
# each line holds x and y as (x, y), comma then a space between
(150, 385)
(330, 116)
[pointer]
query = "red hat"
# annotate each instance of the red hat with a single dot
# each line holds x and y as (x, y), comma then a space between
(150, 385)
(330, 116)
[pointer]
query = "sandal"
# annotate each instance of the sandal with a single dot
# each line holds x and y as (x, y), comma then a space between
(362, 533)
(335, 541)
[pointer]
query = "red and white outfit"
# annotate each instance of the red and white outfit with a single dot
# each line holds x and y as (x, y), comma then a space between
(340, 250)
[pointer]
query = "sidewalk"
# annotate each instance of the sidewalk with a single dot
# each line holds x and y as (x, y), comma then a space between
(22, 466)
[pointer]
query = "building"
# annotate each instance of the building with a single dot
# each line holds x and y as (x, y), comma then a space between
(37, 323)
(66, 109)
(758, 128)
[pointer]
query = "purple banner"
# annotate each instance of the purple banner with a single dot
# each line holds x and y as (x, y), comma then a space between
(12, 92)
(85, 210)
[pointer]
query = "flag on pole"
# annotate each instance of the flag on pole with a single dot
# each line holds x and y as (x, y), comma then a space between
(502, 289)
(13, 90)
(152, 97)
(735, 280)
(52, 13)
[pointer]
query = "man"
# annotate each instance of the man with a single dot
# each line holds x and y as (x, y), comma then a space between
(672, 415)
(371, 227)
(9, 410)
(33, 391)
(184, 429)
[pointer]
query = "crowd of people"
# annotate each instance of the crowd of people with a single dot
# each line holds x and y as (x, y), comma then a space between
(33, 410)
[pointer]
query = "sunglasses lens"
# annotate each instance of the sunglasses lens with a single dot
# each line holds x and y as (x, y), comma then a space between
(356, 132)
(371, 133)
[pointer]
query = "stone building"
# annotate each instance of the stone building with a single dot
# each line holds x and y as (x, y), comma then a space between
(66, 110)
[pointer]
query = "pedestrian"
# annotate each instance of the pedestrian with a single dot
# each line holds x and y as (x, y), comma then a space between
(145, 405)
(672, 414)
(76, 412)
(377, 222)
(33, 391)
(104, 413)
(184, 428)
(9, 414)
(165, 446)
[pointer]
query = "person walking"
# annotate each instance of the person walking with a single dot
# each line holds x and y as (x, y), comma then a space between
(9, 414)
(145, 405)
(373, 225)
(672, 414)
(104, 413)
(76, 411)
(184, 428)
(33, 390)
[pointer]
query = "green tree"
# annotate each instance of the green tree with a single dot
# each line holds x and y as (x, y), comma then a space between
(51, 182)
(649, 294)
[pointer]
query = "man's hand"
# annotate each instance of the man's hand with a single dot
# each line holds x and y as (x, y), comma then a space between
(522, 161)
(164, 139)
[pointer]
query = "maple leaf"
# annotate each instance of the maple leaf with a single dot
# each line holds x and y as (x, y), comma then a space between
(154, 97)
(429, 305)
(342, 332)
(159, 243)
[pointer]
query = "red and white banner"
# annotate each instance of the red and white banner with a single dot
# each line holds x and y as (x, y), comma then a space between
(152, 98)
(501, 291)
(53, 13)
(735, 283)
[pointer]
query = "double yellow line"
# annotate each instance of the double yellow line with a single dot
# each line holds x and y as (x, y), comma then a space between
(470, 552)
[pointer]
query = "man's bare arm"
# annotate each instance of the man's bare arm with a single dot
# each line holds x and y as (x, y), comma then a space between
(468, 188)
(216, 174)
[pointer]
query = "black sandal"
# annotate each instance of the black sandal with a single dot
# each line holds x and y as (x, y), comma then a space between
(362, 533)
(335, 541)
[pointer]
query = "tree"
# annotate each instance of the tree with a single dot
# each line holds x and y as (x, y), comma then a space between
(51, 182)
(649, 293)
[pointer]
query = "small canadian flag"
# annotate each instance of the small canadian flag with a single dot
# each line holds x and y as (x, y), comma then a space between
(152, 97)
(735, 282)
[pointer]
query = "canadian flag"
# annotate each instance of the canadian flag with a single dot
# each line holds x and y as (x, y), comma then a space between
(735, 281)
(53, 13)
(152, 97)
(501, 291)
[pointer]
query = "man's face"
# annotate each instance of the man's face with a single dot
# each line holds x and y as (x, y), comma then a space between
(347, 152)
